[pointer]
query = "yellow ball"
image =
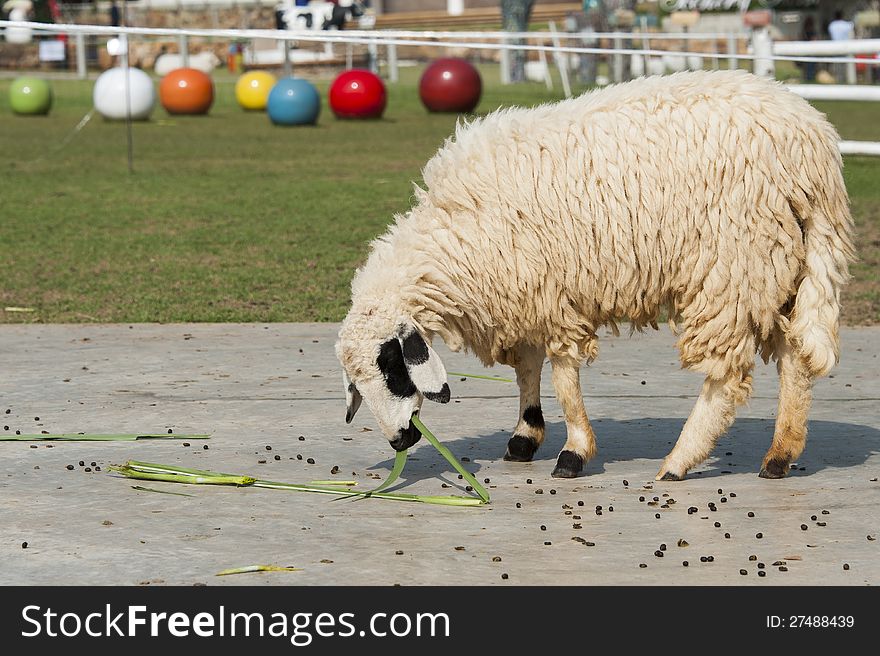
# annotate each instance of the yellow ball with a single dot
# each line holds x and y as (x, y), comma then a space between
(252, 89)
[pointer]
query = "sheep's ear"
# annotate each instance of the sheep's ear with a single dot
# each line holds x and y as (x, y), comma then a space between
(352, 398)
(423, 365)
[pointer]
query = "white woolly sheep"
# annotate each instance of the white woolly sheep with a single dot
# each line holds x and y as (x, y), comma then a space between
(715, 197)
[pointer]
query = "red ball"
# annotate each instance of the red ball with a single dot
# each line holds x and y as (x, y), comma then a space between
(450, 85)
(357, 94)
(186, 91)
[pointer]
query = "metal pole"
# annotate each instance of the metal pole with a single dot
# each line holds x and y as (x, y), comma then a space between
(561, 64)
(288, 67)
(762, 46)
(732, 62)
(183, 46)
(373, 57)
(851, 73)
(617, 60)
(505, 65)
(548, 80)
(123, 40)
(80, 43)
(393, 72)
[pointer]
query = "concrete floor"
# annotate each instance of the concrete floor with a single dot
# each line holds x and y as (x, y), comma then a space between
(253, 385)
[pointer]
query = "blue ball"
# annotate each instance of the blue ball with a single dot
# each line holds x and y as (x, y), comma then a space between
(293, 101)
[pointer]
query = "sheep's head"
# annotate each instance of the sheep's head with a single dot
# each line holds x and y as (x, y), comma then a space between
(391, 367)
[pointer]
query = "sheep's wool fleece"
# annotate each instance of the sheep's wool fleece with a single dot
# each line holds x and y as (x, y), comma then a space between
(715, 196)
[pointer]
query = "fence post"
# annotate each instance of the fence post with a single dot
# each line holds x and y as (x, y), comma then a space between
(373, 57)
(80, 41)
(561, 60)
(548, 79)
(505, 64)
(183, 46)
(851, 73)
(617, 60)
(393, 73)
(732, 62)
(288, 67)
(762, 45)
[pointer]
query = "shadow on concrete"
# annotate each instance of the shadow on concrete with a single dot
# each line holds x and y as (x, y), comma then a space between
(829, 444)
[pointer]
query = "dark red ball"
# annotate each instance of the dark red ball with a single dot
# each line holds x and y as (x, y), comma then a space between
(357, 93)
(450, 85)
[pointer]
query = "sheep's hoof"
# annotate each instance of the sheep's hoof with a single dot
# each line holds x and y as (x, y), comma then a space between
(774, 468)
(568, 465)
(668, 476)
(521, 449)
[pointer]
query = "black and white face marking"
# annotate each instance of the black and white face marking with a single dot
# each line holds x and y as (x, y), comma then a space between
(423, 366)
(394, 371)
(408, 370)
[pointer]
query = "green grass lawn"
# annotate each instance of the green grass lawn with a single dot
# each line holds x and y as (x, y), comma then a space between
(227, 218)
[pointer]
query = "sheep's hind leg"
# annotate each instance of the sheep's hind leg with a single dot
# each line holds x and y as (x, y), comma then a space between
(795, 397)
(529, 432)
(580, 444)
(712, 415)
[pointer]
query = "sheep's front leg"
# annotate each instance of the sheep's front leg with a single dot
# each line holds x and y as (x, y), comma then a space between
(529, 431)
(581, 443)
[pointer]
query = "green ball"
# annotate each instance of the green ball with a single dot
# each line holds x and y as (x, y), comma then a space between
(30, 95)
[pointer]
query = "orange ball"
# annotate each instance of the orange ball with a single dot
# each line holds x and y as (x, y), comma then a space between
(186, 91)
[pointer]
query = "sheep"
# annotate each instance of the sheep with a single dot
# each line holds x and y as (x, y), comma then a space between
(716, 198)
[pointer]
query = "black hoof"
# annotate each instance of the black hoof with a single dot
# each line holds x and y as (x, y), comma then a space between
(776, 468)
(568, 465)
(669, 476)
(520, 449)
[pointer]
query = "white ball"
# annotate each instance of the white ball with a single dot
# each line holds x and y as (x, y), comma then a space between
(109, 94)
